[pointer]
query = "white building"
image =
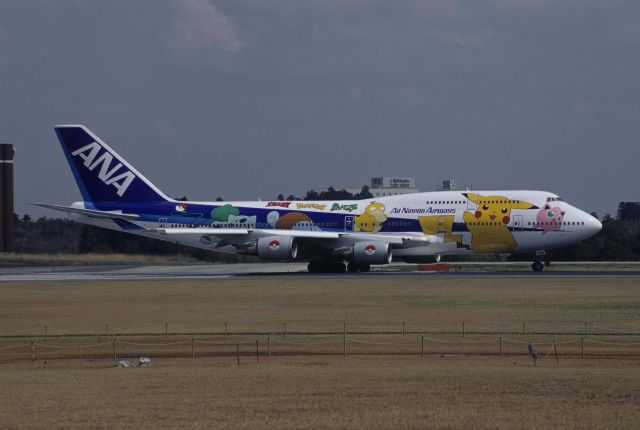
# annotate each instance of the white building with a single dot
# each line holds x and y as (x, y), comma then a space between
(389, 186)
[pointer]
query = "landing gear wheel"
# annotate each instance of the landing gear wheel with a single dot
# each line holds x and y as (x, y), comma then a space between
(322, 266)
(313, 267)
(339, 267)
(355, 267)
(537, 266)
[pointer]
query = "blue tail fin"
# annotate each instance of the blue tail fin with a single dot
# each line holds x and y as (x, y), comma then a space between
(102, 175)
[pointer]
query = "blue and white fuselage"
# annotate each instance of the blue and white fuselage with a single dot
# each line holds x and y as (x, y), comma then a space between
(361, 232)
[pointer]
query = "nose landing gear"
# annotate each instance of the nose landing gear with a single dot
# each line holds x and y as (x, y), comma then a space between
(537, 266)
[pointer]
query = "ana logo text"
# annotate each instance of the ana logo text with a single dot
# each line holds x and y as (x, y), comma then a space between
(110, 176)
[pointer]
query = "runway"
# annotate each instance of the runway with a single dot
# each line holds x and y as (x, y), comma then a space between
(293, 270)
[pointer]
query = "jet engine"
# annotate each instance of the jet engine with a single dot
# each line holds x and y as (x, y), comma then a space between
(371, 253)
(277, 248)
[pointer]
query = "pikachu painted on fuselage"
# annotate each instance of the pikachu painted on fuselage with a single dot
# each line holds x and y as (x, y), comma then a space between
(488, 224)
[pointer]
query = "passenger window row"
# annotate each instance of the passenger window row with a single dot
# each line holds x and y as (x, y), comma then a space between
(558, 223)
(398, 224)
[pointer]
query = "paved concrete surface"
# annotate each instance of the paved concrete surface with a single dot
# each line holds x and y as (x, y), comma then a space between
(207, 271)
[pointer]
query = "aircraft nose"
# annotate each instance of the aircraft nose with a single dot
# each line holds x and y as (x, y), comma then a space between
(592, 224)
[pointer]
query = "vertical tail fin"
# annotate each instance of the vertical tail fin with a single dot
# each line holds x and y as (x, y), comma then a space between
(102, 175)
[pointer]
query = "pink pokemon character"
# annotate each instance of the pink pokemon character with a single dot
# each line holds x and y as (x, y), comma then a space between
(549, 219)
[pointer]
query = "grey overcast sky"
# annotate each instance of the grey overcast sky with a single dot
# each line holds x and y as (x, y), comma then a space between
(248, 99)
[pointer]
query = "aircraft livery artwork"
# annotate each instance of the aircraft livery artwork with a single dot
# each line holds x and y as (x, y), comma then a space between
(328, 234)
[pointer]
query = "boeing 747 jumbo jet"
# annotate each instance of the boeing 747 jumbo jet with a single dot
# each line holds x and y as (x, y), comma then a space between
(328, 234)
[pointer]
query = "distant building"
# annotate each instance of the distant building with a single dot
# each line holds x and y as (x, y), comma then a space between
(447, 185)
(382, 186)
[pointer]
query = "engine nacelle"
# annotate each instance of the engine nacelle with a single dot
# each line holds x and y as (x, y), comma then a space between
(277, 248)
(371, 252)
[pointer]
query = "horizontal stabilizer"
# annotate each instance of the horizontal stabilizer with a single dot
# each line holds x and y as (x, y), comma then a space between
(128, 225)
(89, 212)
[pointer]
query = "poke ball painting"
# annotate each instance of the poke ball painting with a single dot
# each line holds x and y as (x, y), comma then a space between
(181, 207)
(370, 249)
(274, 245)
(272, 218)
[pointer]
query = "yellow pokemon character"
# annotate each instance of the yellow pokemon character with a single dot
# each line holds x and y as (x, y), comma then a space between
(440, 224)
(489, 223)
(371, 219)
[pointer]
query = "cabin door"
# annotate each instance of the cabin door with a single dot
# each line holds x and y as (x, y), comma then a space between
(348, 223)
(471, 205)
(517, 223)
(163, 222)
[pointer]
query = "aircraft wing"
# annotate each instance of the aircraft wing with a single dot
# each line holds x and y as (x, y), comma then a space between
(90, 212)
(396, 240)
(399, 240)
(246, 231)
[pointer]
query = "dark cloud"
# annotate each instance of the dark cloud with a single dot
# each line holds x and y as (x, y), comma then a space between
(249, 99)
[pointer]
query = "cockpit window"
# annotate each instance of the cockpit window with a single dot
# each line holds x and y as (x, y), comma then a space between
(554, 199)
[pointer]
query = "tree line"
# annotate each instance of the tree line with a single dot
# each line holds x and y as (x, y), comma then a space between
(619, 239)
(328, 194)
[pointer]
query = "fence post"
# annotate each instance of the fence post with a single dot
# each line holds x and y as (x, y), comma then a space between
(500, 346)
(524, 329)
(45, 333)
(582, 347)
(585, 329)
(462, 328)
(193, 347)
(166, 329)
(284, 328)
(115, 357)
(555, 350)
(422, 345)
(344, 339)
(226, 332)
(33, 351)
(403, 331)
(106, 331)
(257, 351)
(238, 354)
(269, 346)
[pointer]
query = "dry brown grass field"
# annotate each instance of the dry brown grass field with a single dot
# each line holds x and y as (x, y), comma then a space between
(383, 382)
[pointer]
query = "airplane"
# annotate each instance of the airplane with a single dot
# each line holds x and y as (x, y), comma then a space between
(327, 234)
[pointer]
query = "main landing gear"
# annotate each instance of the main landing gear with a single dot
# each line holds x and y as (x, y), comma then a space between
(320, 265)
(353, 267)
(326, 266)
